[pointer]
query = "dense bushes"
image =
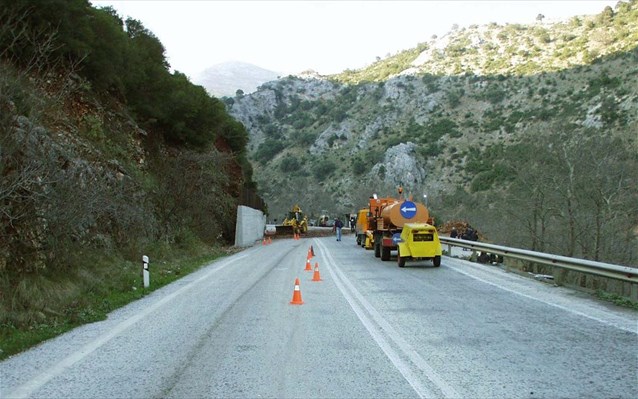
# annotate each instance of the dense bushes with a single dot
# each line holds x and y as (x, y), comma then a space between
(118, 57)
(82, 187)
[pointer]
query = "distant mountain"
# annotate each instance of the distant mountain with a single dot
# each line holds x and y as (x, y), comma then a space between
(226, 78)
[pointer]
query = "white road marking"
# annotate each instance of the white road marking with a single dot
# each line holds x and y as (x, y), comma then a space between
(378, 335)
(26, 390)
(576, 312)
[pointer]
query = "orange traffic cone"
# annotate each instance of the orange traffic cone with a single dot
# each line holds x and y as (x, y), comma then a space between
(310, 254)
(296, 295)
(308, 267)
(269, 240)
(264, 241)
(316, 276)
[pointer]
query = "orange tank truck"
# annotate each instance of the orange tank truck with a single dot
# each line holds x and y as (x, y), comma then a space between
(389, 215)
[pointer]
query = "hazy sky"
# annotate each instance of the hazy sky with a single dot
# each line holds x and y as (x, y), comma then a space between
(326, 36)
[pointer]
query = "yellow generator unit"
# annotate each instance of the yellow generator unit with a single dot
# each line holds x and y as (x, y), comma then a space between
(419, 241)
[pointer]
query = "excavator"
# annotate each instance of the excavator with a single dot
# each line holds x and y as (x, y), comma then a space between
(295, 223)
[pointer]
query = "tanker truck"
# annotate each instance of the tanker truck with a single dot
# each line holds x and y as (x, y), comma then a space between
(390, 216)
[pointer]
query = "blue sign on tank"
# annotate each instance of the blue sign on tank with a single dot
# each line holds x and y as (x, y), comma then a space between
(408, 209)
(396, 238)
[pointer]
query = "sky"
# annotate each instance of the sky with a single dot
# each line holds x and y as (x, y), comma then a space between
(326, 36)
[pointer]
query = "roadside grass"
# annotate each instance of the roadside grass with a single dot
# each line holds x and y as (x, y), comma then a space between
(616, 299)
(44, 306)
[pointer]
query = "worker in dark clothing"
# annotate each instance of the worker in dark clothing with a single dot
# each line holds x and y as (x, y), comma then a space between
(337, 228)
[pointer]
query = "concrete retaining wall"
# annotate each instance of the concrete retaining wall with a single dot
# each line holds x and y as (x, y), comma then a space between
(249, 227)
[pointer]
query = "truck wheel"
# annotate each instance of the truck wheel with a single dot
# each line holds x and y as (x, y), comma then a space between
(437, 261)
(385, 253)
(358, 240)
(377, 249)
(400, 260)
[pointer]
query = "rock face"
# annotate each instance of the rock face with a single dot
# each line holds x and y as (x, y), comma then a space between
(223, 80)
(400, 165)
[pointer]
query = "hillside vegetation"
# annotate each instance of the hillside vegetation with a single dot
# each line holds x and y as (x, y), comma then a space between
(105, 156)
(527, 132)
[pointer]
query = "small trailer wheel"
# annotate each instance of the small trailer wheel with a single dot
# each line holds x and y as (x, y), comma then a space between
(400, 260)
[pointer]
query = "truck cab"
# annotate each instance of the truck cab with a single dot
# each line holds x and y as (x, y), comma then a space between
(362, 226)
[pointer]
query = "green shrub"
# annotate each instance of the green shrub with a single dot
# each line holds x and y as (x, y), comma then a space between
(268, 149)
(438, 128)
(359, 166)
(290, 164)
(305, 138)
(323, 169)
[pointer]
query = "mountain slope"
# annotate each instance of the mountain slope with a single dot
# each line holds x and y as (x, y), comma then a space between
(456, 124)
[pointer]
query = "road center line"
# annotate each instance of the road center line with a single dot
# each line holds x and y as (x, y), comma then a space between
(406, 349)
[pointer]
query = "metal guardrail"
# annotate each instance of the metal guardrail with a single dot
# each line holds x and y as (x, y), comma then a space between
(624, 273)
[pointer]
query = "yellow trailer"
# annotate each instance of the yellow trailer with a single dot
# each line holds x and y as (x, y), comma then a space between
(419, 241)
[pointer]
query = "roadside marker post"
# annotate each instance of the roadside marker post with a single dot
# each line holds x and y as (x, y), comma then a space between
(146, 275)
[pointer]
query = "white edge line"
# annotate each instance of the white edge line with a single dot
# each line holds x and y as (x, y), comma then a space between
(25, 390)
(576, 312)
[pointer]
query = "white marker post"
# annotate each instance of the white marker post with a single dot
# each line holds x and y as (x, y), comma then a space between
(145, 273)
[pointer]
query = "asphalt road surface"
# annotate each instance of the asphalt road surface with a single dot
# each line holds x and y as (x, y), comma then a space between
(369, 330)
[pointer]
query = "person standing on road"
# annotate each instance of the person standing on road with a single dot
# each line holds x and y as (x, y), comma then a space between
(337, 228)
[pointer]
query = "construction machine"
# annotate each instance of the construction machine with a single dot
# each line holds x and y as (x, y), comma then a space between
(295, 223)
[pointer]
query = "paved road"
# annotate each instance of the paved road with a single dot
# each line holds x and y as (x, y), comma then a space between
(369, 329)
